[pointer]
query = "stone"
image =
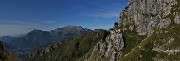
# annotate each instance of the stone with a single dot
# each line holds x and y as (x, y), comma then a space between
(111, 48)
(177, 19)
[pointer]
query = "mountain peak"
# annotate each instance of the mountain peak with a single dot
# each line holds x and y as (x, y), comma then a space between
(37, 38)
(70, 26)
(36, 30)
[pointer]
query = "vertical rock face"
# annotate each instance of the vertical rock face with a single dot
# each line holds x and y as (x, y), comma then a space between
(155, 25)
(150, 31)
(147, 15)
(108, 49)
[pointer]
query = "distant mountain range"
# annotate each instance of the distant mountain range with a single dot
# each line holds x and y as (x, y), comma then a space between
(148, 30)
(36, 39)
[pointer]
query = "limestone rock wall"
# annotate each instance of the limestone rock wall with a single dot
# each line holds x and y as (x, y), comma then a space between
(154, 25)
(147, 15)
(109, 49)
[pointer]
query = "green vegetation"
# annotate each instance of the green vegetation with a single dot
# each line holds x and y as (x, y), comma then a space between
(158, 46)
(132, 39)
(72, 49)
(144, 52)
(139, 48)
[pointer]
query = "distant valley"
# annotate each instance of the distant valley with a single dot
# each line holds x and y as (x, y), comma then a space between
(147, 30)
(36, 39)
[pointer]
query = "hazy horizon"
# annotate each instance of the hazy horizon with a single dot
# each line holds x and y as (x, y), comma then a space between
(20, 16)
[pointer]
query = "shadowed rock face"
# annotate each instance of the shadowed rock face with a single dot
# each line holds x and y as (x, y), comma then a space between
(1, 46)
(4, 55)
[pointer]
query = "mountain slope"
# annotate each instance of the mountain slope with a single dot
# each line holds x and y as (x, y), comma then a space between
(67, 32)
(69, 50)
(4, 55)
(37, 39)
(108, 49)
(159, 23)
(149, 31)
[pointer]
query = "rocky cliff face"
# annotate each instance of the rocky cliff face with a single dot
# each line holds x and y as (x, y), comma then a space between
(4, 55)
(145, 16)
(149, 32)
(109, 49)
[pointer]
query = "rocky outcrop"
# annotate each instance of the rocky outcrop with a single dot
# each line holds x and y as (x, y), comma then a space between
(109, 49)
(4, 55)
(148, 15)
(150, 32)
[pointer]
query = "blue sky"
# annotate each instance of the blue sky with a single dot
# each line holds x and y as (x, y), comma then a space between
(22, 16)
